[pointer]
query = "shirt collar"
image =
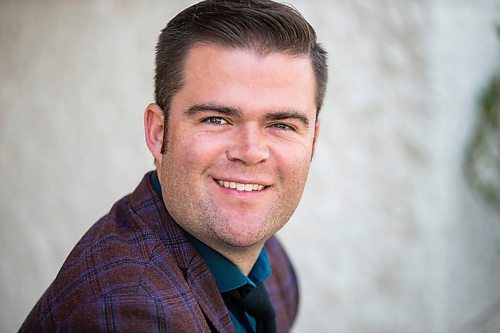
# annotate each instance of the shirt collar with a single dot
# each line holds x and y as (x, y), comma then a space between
(227, 275)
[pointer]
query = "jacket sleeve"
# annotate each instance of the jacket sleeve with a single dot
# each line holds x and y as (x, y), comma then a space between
(116, 313)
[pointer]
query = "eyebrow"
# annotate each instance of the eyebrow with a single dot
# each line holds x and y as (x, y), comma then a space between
(200, 108)
(288, 115)
(234, 112)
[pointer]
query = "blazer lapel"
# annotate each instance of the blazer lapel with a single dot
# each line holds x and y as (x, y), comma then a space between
(204, 289)
(197, 274)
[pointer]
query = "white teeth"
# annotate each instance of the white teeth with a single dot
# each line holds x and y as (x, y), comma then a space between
(240, 186)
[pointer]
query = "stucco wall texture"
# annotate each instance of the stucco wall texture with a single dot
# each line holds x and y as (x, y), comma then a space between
(388, 237)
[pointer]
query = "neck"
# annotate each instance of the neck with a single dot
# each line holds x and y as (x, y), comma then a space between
(244, 259)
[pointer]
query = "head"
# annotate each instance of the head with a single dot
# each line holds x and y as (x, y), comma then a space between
(259, 25)
(239, 85)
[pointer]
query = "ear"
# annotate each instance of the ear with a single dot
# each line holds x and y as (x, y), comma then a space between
(315, 139)
(153, 129)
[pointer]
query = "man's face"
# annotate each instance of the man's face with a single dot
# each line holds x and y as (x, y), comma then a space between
(241, 133)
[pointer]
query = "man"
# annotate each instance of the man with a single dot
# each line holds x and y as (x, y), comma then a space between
(239, 85)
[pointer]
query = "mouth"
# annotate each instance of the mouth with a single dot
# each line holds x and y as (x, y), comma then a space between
(241, 187)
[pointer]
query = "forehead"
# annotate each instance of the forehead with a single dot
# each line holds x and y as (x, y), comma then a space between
(243, 77)
(210, 56)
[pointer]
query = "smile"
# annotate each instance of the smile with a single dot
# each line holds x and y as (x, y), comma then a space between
(240, 186)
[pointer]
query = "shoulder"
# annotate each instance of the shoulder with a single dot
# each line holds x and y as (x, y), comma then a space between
(117, 266)
(282, 285)
(281, 265)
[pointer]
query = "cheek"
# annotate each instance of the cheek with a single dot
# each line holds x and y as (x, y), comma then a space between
(194, 149)
(293, 165)
(293, 151)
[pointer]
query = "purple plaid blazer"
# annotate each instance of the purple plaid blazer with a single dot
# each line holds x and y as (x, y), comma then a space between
(135, 271)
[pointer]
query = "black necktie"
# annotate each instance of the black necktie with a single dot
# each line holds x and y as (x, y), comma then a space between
(255, 302)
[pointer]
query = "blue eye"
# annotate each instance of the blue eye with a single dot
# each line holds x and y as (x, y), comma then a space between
(283, 126)
(215, 120)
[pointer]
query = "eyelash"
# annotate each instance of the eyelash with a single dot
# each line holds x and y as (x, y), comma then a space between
(215, 121)
(219, 121)
(284, 127)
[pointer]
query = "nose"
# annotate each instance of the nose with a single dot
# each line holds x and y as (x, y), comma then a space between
(249, 145)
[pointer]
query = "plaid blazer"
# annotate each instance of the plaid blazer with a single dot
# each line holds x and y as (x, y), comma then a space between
(136, 271)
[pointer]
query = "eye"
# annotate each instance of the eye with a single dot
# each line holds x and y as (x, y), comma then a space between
(283, 126)
(215, 121)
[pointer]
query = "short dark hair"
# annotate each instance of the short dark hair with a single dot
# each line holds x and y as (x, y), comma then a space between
(261, 25)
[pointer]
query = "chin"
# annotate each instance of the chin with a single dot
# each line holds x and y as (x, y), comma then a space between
(242, 239)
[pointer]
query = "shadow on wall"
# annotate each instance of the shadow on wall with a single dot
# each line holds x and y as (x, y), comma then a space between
(482, 160)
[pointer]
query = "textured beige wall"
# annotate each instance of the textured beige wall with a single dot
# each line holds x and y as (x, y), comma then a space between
(388, 237)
